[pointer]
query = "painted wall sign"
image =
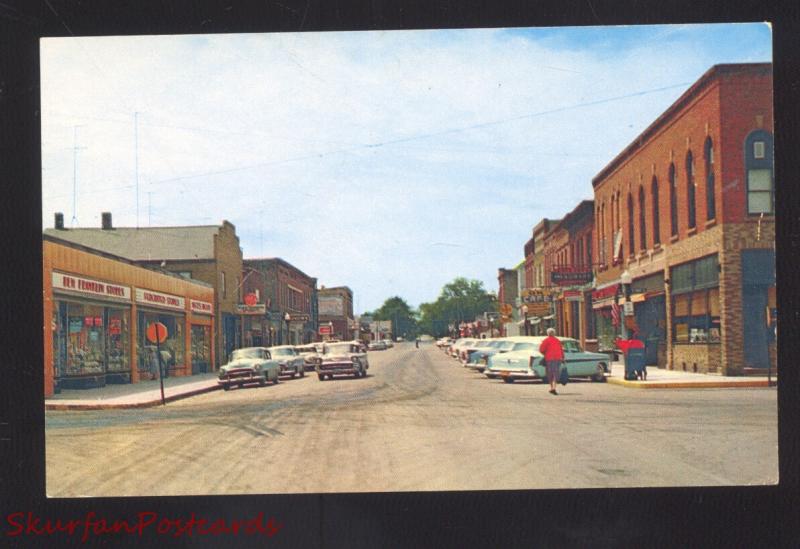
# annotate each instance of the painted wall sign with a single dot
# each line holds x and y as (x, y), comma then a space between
(157, 299)
(62, 281)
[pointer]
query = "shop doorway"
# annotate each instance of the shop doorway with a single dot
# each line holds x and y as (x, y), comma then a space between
(758, 276)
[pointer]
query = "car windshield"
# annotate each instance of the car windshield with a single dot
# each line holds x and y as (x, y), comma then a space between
(506, 345)
(240, 354)
(523, 347)
(339, 348)
(285, 351)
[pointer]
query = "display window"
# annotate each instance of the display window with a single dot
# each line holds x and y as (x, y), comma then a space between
(85, 340)
(696, 317)
(172, 349)
(118, 342)
(201, 348)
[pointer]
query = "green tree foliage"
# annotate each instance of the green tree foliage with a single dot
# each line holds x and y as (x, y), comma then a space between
(403, 317)
(461, 300)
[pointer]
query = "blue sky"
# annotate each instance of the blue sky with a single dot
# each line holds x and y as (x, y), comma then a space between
(388, 161)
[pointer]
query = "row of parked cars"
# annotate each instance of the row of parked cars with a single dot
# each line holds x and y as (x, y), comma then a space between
(518, 357)
(264, 365)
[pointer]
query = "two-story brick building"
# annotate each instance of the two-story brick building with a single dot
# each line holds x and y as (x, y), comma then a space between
(284, 303)
(535, 306)
(686, 213)
(209, 253)
(335, 310)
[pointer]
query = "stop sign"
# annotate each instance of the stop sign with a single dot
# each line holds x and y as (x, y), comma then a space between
(156, 331)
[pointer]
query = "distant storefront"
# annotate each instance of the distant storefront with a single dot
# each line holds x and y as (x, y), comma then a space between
(97, 310)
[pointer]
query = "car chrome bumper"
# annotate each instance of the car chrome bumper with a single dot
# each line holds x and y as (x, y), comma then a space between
(512, 374)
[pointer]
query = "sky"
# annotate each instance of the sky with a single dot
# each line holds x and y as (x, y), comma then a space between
(387, 161)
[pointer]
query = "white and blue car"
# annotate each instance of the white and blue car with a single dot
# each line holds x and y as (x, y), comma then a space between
(480, 357)
(525, 362)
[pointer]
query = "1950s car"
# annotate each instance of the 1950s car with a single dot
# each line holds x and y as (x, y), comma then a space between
(525, 362)
(291, 364)
(342, 358)
(479, 358)
(308, 353)
(249, 365)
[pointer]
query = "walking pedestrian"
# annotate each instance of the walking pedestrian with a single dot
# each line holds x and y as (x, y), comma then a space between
(553, 356)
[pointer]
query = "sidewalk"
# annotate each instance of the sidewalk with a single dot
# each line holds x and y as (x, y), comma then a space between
(658, 378)
(132, 395)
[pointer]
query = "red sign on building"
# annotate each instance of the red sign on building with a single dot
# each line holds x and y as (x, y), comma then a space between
(325, 330)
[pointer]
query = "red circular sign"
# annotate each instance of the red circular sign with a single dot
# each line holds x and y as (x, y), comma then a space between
(156, 331)
(250, 299)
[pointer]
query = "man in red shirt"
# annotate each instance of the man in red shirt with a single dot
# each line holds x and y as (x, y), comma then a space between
(553, 356)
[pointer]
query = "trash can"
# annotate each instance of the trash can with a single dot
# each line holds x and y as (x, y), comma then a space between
(634, 362)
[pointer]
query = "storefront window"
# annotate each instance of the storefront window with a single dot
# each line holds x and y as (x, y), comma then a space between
(117, 342)
(85, 340)
(201, 348)
(695, 301)
(172, 350)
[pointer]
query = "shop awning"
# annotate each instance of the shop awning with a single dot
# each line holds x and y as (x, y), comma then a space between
(548, 317)
(603, 303)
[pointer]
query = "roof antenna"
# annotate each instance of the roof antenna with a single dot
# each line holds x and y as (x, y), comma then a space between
(75, 149)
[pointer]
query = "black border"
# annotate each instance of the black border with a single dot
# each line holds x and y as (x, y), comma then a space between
(743, 516)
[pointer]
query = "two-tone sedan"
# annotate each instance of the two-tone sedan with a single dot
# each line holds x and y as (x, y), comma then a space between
(455, 349)
(343, 358)
(480, 358)
(249, 365)
(524, 361)
(309, 353)
(479, 344)
(291, 364)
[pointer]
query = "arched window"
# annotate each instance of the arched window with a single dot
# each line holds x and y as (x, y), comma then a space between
(711, 200)
(630, 225)
(656, 221)
(673, 201)
(760, 177)
(690, 190)
(642, 226)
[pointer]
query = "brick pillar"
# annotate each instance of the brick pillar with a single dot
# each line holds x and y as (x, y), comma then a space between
(730, 296)
(133, 334)
(47, 294)
(668, 306)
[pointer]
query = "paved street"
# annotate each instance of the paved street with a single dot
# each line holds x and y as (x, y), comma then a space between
(418, 422)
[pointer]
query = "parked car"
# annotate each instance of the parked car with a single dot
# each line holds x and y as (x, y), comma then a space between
(455, 348)
(389, 343)
(525, 362)
(249, 365)
(480, 357)
(466, 350)
(444, 342)
(343, 358)
(377, 345)
(308, 352)
(290, 362)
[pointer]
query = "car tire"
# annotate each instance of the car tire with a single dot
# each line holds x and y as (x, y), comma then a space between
(599, 376)
(262, 382)
(508, 380)
(302, 372)
(321, 377)
(226, 387)
(241, 385)
(276, 380)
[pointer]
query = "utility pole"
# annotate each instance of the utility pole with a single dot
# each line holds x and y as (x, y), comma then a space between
(136, 156)
(75, 149)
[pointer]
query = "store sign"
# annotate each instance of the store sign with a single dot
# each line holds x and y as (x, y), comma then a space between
(63, 281)
(536, 295)
(157, 299)
(244, 309)
(628, 308)
(325, 330)
(572, 295)
(570, 276)
(605, 293)
(201, 307)
(299, 318)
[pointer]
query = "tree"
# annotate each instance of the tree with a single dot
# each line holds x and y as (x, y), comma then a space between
(459, 301)
(403, 317)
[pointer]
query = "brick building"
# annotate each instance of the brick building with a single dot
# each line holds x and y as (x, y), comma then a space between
(209, 253)
(686, 213)
(568, 265)
(336, 311)
(507, 291)
(283, 303)
(535, 306)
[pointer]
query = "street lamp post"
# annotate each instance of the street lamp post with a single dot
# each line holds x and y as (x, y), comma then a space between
(287, 317)
(525, 317)
(626, 280)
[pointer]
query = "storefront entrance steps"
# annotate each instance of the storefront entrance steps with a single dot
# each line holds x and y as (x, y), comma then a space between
(658, 378)
(133, 395)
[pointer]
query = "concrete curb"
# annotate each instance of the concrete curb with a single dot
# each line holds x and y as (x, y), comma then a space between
(100, 405)
(690, 384)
